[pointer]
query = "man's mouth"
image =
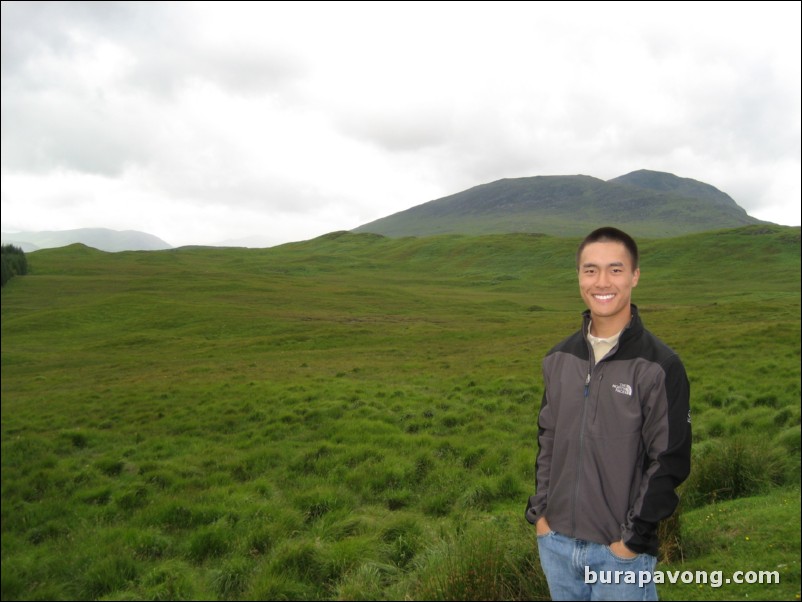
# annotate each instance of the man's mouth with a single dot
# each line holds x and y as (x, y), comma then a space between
(606, 297)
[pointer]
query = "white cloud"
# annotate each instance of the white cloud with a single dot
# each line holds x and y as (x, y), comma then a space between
(200, 122)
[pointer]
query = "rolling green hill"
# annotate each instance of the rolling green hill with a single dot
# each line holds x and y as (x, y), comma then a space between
(645, 203)
(354, 416)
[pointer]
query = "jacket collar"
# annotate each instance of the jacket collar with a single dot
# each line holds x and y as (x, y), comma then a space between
(634, 327)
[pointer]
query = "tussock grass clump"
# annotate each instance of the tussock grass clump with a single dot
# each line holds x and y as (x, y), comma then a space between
(669, 532)
(301, 559)
(267, 585)
(148, 544)
(232, 578)
(170, 580)
(99, 496)
(51, 530)
(209, 542)
(107, 575)
(260, 541)
(402, 540)
(369, 581)
(177, 515)
(320, 502)
(438, 504)
(734, 468)
(486, 562)
(791, 439)
(478, 496)
(133, 497)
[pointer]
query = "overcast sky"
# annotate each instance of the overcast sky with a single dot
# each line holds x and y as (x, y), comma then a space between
(209, 122)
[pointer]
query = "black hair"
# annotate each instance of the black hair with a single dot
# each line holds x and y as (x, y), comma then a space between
(610, 234)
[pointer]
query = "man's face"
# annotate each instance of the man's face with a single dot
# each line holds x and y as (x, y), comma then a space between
(606, 280)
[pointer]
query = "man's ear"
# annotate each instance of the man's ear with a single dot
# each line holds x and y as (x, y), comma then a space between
(635, 277)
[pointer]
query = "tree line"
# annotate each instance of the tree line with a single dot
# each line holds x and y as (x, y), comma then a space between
(14, 263)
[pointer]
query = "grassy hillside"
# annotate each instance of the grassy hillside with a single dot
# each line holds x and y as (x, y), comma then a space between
(353, 417)
(645, 203)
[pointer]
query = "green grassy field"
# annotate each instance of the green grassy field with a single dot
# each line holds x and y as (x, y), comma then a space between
(354, 417)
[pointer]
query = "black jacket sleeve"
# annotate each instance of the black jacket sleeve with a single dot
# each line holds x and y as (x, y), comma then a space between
(667, 457)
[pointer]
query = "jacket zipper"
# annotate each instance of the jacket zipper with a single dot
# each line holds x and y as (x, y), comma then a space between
(591, 367)
(581, 448)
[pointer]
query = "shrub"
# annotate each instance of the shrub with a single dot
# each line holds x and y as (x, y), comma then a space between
(14, 263)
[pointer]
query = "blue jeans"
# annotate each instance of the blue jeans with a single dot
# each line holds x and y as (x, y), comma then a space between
(582, 570)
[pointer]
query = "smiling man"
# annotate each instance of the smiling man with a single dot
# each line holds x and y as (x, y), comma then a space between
(614, 437)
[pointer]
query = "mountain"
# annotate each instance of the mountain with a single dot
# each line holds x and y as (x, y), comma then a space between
(660, 181)
(645, 203)
(98, 238)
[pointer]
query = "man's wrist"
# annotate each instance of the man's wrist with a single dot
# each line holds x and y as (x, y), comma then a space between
(620, 549)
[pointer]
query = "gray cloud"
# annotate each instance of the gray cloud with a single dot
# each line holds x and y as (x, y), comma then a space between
(263, 114)
(240, 68)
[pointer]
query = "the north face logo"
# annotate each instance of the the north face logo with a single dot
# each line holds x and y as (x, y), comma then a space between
(623, 389)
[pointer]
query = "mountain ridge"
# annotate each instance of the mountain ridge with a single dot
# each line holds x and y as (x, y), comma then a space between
(666, 182)
(644, 202)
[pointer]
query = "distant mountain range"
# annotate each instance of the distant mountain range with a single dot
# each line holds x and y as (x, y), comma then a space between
(644, 203)
(98, 238)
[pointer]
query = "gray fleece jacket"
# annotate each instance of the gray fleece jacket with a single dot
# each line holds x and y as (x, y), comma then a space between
(614, 439)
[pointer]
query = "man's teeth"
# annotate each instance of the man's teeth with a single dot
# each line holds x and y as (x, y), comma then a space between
(603, 297)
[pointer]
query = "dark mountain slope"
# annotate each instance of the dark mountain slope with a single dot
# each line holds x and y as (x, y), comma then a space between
(653, 204)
